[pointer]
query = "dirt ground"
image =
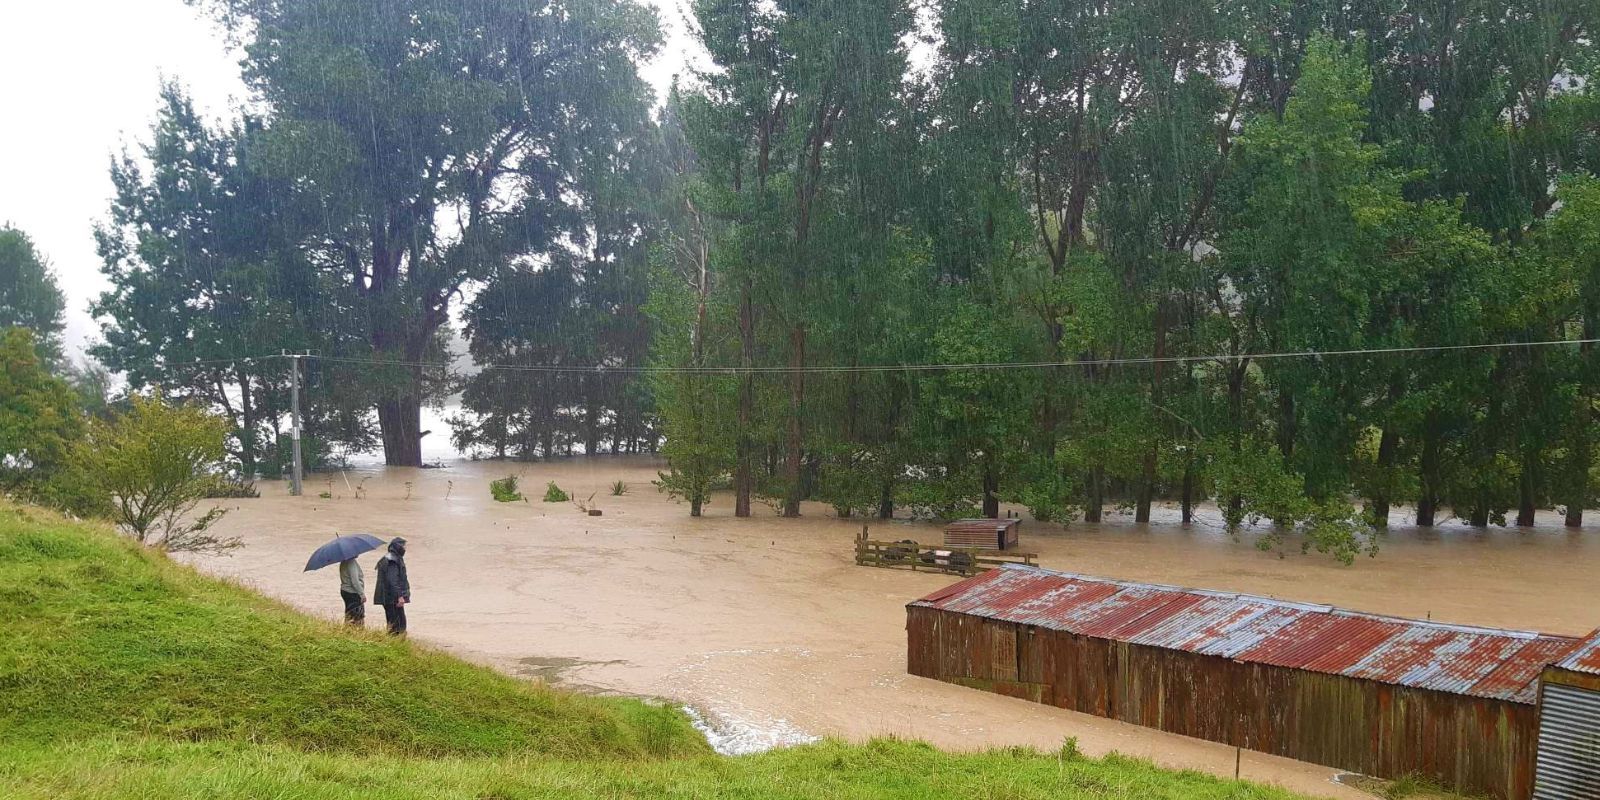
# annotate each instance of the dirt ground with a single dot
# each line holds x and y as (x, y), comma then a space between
(767, 629)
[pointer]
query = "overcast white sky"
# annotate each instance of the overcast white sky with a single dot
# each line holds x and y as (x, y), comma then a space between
(79, 80)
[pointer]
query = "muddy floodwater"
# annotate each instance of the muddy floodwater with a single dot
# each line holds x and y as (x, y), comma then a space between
(770, 633)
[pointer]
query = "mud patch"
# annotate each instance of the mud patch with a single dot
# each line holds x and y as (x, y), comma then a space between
(552, 670)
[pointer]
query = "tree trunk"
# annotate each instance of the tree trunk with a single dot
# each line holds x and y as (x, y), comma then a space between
(1286, 425)
(886, 502)
(796, 437)
(247, 427)
(1428, 479)
(742, 471)
(694, 507)
(1147, 479)
(1188, 491)
(1236, 377)
(400, 422)
(1479, 518)
(991, 489)
(1578, 456)
(591, 427)
(1526, 484)
(1094, 494)
(1388, 444)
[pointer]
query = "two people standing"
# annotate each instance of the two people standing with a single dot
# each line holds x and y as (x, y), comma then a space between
(392, 589)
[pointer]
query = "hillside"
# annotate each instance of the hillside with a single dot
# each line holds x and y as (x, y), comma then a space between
(123, 674)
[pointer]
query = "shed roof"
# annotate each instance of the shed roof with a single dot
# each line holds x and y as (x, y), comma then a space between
(1461, 659)
(1585, 657)
(981, 524)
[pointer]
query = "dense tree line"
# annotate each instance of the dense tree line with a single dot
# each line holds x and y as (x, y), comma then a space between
(1152, 200)
(1093, 183)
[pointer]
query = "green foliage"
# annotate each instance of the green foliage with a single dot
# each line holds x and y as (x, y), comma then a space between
(619, 488)
(1265, 489)
(504, 115)
(198, 274)
(39, 418)
(504, 490)
(553, 493)
(233, 488)
(29, 295)
(152, 465)
(1138, 202)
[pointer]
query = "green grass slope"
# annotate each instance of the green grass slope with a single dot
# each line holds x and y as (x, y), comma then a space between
(125, 675)
(100, 636)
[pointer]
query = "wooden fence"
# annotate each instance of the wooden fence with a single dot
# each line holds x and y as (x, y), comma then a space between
(934, 558)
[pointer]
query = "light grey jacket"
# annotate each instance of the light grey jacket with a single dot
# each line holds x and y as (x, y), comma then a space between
(350, 579)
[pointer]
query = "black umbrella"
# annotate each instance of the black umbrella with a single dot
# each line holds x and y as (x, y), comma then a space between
(342, 548)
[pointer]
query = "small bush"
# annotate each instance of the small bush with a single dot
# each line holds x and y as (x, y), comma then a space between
(505, 489)
(152, 465)
(553, 493)
(233, 487)
(618, 489)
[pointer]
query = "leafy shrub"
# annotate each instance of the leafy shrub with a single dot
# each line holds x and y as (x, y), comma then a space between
(39, 417)
(1268, 489)
(152, 466)
(232, 487)
(618, 488)
(1050, 498)
(853, 482)
(504, 490)
(940, 495)
(553, 493)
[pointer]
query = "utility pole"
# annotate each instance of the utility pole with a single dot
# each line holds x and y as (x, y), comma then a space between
(294, 425)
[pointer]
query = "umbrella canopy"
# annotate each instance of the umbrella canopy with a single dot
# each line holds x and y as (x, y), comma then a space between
(342, 548)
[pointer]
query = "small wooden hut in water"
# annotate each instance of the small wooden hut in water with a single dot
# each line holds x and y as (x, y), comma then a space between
(989, 534)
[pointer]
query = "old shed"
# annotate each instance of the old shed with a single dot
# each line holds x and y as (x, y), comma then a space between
(989, 534)
(1367, 693)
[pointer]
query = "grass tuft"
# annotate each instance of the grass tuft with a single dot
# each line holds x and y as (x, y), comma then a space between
(504, 490)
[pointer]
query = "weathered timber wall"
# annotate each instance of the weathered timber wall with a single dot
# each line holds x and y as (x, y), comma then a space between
(1473, 745)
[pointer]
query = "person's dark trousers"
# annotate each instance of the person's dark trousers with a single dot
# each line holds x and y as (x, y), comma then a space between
(395, 615)
(355, 608)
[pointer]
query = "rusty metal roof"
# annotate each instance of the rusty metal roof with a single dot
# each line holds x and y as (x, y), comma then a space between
(1461, 659)
(1583, 658)
(983, 524)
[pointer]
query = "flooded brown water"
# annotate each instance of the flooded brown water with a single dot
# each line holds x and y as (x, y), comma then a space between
(767, 629)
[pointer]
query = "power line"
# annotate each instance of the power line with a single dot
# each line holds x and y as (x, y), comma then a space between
(992, 365)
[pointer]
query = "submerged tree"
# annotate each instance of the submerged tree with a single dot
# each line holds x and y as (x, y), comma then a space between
(202, 248)
(441, 140)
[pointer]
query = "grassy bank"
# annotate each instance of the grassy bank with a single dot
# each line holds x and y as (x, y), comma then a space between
(125, 675)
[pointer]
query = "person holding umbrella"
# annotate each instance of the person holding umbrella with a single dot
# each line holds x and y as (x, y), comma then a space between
(352, 587)
(393, 590)
(343, 551)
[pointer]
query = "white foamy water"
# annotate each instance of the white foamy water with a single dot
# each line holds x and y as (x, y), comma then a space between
(736, 737)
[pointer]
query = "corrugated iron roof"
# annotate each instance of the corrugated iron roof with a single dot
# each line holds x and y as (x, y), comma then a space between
(1461, 659)
(1583, 658)
(982, 524)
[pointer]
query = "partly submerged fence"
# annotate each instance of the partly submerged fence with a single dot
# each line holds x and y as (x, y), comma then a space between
(907, 554)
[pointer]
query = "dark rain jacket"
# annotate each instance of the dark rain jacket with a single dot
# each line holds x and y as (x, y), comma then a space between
(392, 584)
